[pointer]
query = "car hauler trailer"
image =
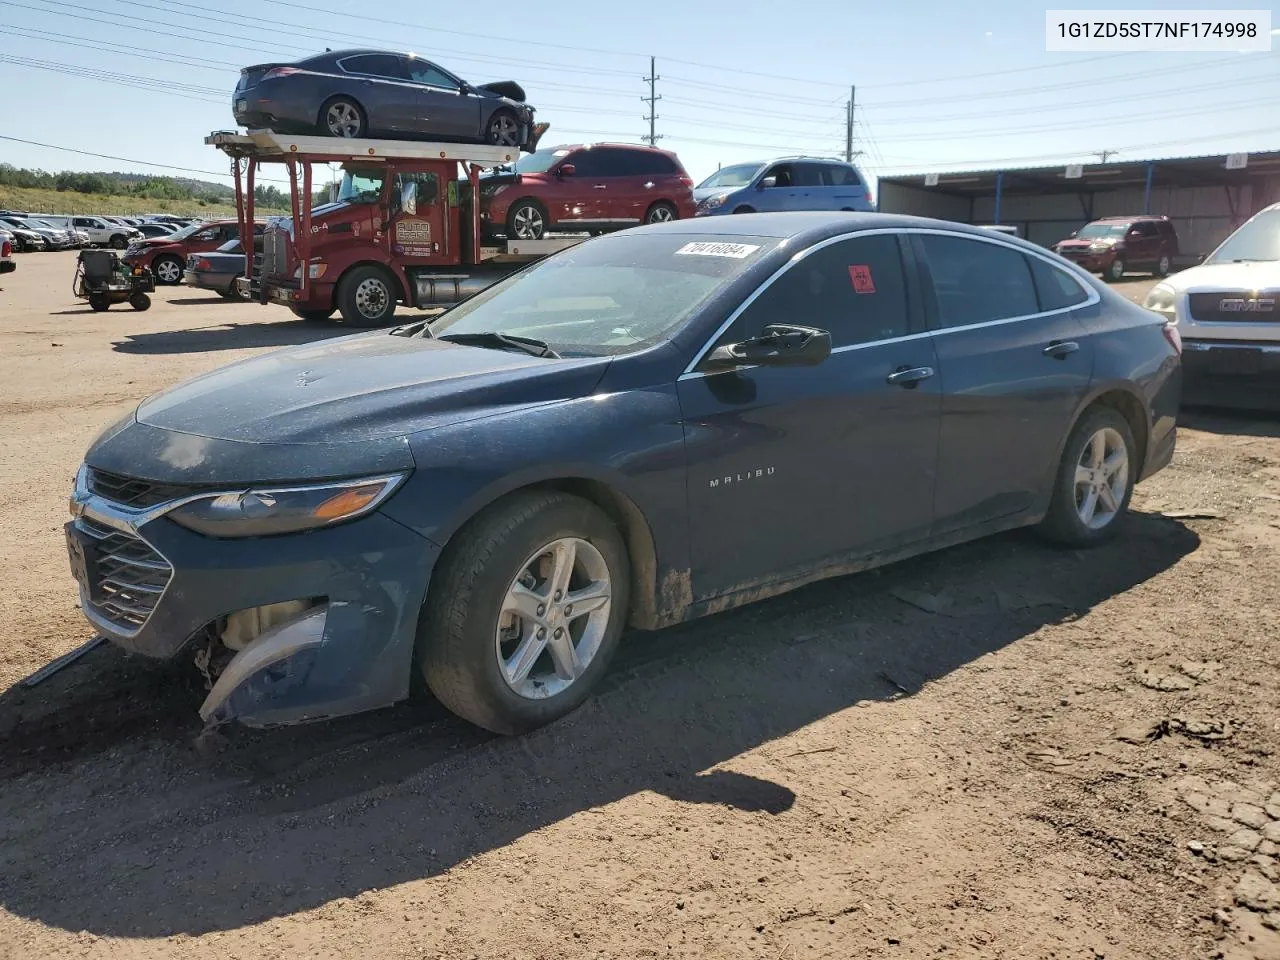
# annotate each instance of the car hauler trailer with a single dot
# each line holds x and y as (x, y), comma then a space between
(404, 227)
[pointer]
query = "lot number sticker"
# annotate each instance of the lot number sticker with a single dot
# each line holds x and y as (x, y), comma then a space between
(860, 274)
(737, 251)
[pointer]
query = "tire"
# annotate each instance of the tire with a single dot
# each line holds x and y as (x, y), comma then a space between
(118, 242)
(140, 302)
(1114, 272)
(168, 270)
(661, 212)
(527, 220)
(503, 129)
(744, 210)
(312, 316)
(1163, 266)
(464, 637)
(367, 297)
(342, 117)
(99, 302)
(1065, 522)
(233, 294)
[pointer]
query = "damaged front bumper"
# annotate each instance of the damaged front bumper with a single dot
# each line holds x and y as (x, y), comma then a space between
(346, 600)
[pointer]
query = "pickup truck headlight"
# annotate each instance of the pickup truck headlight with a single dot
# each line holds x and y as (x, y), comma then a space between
(270, 511)
(1161, 299)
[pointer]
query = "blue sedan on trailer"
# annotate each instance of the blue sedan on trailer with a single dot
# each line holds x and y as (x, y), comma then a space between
(642, 429)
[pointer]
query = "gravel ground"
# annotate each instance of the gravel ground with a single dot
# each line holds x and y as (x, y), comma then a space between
(1072, 756)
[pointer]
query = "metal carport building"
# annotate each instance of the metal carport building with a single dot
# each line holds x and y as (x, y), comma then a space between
(1206, 197)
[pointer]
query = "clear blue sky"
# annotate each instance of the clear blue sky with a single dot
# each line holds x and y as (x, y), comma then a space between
(148, 79)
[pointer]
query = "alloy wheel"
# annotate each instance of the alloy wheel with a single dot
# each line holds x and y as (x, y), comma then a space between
(661, 215)
(342, 119)
(528, 223)
(169, 271)
(553, 619)
(1102, 478)
(503, 130)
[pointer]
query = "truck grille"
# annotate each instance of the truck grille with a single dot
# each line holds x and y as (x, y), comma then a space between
(1241, 306)
(130, 492)
(131, 576)
(275, 254)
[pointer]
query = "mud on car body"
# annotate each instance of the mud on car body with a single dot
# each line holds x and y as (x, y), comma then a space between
(632, 432)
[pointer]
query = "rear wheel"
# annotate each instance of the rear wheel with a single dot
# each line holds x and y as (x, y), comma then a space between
(342, 117)
(99, 302)
(168, 270)
(527, 611)
(233, 293)
(1094, 482)
(661, 212)
(1114, 272)
(526, 220)
(503, 129)
(367, 297)
(1163, 265)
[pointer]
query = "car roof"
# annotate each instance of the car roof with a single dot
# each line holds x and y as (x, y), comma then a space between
(608, 143)
(808, 227)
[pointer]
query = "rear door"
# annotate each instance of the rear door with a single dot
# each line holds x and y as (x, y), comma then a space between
(791, 468)
(437, 105)
(1015, 363)
(641, 180)
(599, 187)
(381, 84)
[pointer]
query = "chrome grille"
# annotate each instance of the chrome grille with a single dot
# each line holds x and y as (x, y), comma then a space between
(130, 576)
(1261, 307)
(132, 492)
(275, 254)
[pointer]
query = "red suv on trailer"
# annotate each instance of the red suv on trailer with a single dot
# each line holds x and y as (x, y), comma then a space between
(167, 256)
(593, 188)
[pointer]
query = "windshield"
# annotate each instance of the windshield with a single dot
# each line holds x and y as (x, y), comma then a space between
(736, 176)
(361, 186)
(611, 295)
(1096, 231)
(1258, 239)
(184, 232)
(540, 161)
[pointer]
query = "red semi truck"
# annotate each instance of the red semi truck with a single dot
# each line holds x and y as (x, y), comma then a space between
(404, 227)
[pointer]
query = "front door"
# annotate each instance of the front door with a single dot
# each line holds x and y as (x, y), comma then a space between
(1015, 363)
(436, 102)
(782, 193)
(583, 196)
(1143, 244)
(417, 234)
(791, 467)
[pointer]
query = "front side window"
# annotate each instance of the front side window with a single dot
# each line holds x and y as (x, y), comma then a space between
(781, 173)
(978, 282)
(1257, 240)
(855, 289)
(593, 162)
(614, 295)
(362, 185)
(422, 72)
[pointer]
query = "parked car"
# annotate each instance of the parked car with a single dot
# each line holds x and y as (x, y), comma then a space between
(167, 256)
(151, 231)
(79, 237)
(1001, 228)
(788, 183)
(634, 431)
(1228, 312)
(358, 93)
(62, 237)
(218, 270)
(24, 240)
(50, 238)
(1114, 245)
(597, 188)
(6, 253)
(104, 233)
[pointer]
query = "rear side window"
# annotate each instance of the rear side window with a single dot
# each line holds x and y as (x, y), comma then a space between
(856, 289)
(978, 282)
(382, 65)
(807, 174)
(1146, 229)
(840, 175)
(647, 163)
(1056, 289)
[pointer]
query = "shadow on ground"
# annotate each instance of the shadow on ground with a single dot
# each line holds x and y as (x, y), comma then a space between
(1227, 421)
(230, 336)
(115, 825)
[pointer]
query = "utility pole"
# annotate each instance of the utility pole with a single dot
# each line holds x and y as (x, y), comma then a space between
(849, 152)
(1103, 155)
(652, 100)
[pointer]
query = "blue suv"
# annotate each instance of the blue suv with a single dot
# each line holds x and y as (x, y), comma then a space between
(788, 183)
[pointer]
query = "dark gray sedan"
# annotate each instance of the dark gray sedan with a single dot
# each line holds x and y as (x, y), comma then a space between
(217, 270)
(359, 93)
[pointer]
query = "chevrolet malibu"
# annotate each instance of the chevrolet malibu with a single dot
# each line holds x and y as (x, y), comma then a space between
(642, 429)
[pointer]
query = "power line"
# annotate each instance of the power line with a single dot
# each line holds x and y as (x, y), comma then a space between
(107, 156)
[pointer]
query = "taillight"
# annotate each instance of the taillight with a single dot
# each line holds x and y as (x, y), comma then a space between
(6, 249)
(1173, 336)
(203, 264)
(687, 181)
(277, 72)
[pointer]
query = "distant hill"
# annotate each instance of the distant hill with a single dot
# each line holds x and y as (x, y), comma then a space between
(132, 186)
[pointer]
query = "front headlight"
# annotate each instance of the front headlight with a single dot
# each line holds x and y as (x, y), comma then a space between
(1098, 246)
(712, 202)
(270, 511)
(1161, 299)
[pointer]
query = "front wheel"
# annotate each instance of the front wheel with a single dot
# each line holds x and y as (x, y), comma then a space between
(503, 129)
(1114, 272)
(233, 293)
(312, 316)
(1163, 265)
(99, 302)
(168, 271)
(526, 220)
(367, 298)
(1094, 481)
(140, 301)
(526, 612)
(661, 212)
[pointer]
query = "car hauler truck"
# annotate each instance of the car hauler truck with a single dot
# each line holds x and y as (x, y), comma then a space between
(404, 226)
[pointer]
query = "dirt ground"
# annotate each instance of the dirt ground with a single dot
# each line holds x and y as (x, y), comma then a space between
(1000, 751)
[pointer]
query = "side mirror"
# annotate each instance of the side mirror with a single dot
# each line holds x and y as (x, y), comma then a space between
(779, 345)
(1072, 234)
(766, 183)
(566, 170)
(409, 198)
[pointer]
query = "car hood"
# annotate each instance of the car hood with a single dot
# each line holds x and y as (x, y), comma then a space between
(364, 387)
(1259, 275)
(701, 193)
(1073, 244)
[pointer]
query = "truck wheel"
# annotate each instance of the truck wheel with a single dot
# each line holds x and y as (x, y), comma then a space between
(367, 297)
(503, 129)
(118, 242)
(312, 316)
(342, 117)
(661, 212)
(168, 270)
(99, 302)
(526, 220)
(525, 611)
(140, 302)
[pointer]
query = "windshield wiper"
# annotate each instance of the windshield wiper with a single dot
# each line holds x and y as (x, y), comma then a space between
(502, 341)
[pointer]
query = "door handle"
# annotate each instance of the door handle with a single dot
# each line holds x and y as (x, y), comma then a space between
(909, 377)
(601, 186)
(1061, 349)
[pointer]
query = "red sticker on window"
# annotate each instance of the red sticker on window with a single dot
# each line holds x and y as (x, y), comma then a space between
(860, 274)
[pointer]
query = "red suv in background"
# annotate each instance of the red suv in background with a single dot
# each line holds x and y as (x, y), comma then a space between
(596, 188)
(167, 256)
(1114, 245)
